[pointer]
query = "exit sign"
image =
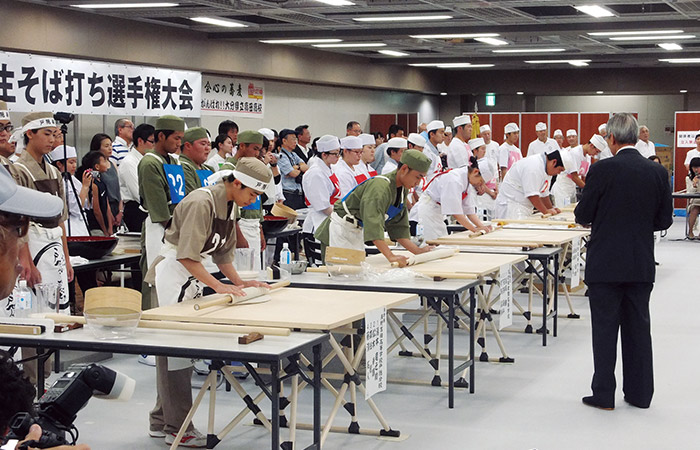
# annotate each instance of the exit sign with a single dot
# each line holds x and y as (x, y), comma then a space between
(490, 99)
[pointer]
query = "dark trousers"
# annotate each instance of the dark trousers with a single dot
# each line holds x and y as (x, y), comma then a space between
(622, 307)
(133, 216)
(294, 200)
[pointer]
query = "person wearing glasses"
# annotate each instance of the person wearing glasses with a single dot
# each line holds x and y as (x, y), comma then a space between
(123, 139)
(6, 149)
(321, 185)
(345, 168)
(129, 176)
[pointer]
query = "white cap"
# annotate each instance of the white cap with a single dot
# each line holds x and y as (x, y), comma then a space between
(461, 120)
(568, 161)
(571, 132)
(511, 127)
(398, 142)
(448, 130)
(476, 143)
(327, 143)
(435, 125)
(484, 128)
(57, 153)
(558, 132)
(599, 142)
(541, 126)
(367, 139)
(603, 126)
(268, 133)
(416, 139)
(350, 142)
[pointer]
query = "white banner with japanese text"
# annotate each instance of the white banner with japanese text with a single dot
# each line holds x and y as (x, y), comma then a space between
(505, 307)
(232, 96)
(44, 83)
(686, 139)
(375, 351)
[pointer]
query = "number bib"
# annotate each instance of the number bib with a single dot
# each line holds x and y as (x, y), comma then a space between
(176, 182)
(203, 174)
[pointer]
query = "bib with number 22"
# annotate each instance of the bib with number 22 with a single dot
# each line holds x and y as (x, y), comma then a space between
(176, 182)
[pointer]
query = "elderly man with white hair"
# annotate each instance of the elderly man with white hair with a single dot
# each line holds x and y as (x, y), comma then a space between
(543, 143)
(644, 145)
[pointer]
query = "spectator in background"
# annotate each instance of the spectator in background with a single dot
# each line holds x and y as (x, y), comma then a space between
(230, 128)
(123, 137)
(129, 177)
(694, 153)
(103, 144)
(292, 169)
(378, 139)
(99, 214)
(380, 153)
(692, 184)
(6, 127)
(223, 148)
(303, 139)
(353, 128)
(645, 147)
(66, 161)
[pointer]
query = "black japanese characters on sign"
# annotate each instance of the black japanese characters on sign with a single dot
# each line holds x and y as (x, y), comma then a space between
(29, 82)
(234, 96)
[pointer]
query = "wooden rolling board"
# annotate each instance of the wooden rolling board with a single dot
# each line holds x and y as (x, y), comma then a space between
(308, 309)
(475, 264)
(566, 218)
(513, 237)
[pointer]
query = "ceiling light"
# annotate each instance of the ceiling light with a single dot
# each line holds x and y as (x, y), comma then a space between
(681, 60)
(573, 62)
(683, 91)
(336, 2)
(491, 41)
(633, 33)
(454, 36)
(520, 93)
(653, 38)
(351, 45)
(670, 46)
(599, 92)
(443, 93)
(218, 22)
(530, 50)
(299, 41)
(595, 11)
(125, 5)
(392, 53)
(400, 18)
(462, 65)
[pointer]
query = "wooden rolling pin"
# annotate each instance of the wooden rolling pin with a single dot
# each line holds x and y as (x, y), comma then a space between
(228, 299)
(189, 326)
(439, 253)
(482, 232)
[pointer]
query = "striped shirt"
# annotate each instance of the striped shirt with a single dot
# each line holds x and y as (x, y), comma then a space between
(119, 150)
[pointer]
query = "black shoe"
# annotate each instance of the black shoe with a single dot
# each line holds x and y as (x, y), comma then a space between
(593, 402)
(636, 405)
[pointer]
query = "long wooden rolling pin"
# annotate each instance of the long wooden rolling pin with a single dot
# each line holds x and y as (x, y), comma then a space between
(429, 256)
(172, 325)
(228, 299)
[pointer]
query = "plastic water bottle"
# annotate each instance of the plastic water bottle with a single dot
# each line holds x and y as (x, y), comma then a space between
(419, 234)
(23, 299)
(286, 258)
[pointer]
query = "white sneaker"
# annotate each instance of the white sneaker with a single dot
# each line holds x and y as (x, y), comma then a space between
(193, 439)
(148, 360)
(156, 433)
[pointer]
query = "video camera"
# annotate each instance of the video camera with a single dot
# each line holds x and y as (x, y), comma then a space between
(58, 407)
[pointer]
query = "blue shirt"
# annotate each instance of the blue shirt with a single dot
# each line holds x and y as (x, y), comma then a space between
(286, 163)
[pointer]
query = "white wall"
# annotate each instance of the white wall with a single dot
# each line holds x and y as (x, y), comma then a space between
(655, 111)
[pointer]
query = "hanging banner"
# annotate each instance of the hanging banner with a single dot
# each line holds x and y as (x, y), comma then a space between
(44, 83)
(686, 139)
(375, 351)
(505, 308)
(232, 96)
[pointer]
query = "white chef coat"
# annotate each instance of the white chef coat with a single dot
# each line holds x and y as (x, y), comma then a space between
(492, 153)
(508, 154)
(536, 147)
(346, 176)
(488, 171)
(78, 227)
(451, 191)
(129, 176)
(526, 178)
(646, 149)
(435, 162)
(322, 190)
(564, 189)
(458, 154)
(389, 166)
(694, 153)
(364, 172)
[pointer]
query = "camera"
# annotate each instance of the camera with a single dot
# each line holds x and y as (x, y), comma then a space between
(64, 117)
(57, 409)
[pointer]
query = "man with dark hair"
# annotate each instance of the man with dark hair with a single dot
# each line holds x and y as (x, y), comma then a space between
(292, 168)
(129, 176)
(353, 128)
(395, 130)
(303, 140)
(620, 267)
(229, 128)
(123, 138)
(6, 149)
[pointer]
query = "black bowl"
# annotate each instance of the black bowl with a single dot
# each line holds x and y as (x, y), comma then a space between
(91, 247)
(274, 224)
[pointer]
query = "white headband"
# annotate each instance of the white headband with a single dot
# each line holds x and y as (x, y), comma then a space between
(4, 115)
(246, 179)
(44, 122)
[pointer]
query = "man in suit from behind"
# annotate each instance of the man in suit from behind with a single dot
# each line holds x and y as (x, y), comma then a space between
(625, 200)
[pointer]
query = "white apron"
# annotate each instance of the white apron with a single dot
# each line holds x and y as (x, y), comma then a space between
(344, 234)
(564, 190)
(154, 240)
(46, 248)
(515, 210)
(250, 228)
(431, 218)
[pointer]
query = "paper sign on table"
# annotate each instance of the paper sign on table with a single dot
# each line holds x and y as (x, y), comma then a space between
(375, 351)
(575, 262)
(505, 307)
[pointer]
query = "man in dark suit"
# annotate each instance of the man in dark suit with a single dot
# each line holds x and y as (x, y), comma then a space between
(625, 200)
